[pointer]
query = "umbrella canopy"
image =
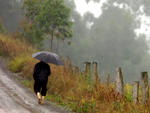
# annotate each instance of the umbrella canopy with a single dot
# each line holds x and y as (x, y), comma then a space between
(48, 57)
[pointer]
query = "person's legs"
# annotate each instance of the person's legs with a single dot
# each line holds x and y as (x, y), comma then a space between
(37, 86)
(44, 90)
(37, 89)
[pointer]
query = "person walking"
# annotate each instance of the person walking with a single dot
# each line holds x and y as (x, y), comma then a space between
(41, 73)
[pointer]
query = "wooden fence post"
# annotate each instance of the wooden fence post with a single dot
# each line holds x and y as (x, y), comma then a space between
(145, 87)
(119, 82)
(108, 79)
(87, 68)
(95, 76)
(135, 92)
(68, 65)
(76, 70)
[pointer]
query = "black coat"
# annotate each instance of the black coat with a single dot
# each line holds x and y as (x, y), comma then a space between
(41, 71)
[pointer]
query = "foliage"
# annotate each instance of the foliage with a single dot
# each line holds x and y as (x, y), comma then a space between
(17, 64)
(27, 83)
(50, 17)
(128, 92)
(30, 30)
(12, 46)
(19, 51)
(32, 33)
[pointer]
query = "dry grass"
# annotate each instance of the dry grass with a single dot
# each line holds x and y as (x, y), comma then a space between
(10, 46)
(67, 87)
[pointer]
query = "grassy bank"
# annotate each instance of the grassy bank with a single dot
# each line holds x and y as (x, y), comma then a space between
(66, 88)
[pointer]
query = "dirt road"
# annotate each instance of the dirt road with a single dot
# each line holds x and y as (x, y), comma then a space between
(15, 98)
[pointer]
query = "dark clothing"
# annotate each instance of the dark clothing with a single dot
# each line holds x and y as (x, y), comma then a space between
(40, 86)
(41, 71)
(40, 75)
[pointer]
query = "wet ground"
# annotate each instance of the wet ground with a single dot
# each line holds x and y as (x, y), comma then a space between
(15, 98)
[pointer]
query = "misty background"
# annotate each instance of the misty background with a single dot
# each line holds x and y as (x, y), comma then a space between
(118, 36)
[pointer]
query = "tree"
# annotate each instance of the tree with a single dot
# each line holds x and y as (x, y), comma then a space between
(51, 17)
(111, 41)
(30, 29)
(116, 43)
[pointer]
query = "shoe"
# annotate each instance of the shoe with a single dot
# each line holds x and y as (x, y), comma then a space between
(42, 99)
(39, 97)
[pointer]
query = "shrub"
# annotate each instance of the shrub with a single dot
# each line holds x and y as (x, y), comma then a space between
(17, 63)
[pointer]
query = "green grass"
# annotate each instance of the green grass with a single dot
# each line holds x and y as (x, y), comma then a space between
(27, 83)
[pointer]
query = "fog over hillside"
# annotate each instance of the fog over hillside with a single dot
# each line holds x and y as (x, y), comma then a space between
(11, 13)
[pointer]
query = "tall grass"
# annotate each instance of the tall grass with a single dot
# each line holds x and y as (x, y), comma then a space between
(74, 90)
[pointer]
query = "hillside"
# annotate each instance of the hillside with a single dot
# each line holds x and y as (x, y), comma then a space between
(66, 87)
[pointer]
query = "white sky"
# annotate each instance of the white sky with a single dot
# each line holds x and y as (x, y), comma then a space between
(82, 7)
(93, 7)
(145, 26)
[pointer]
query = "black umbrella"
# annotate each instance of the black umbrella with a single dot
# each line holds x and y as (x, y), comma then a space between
(48, 57)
